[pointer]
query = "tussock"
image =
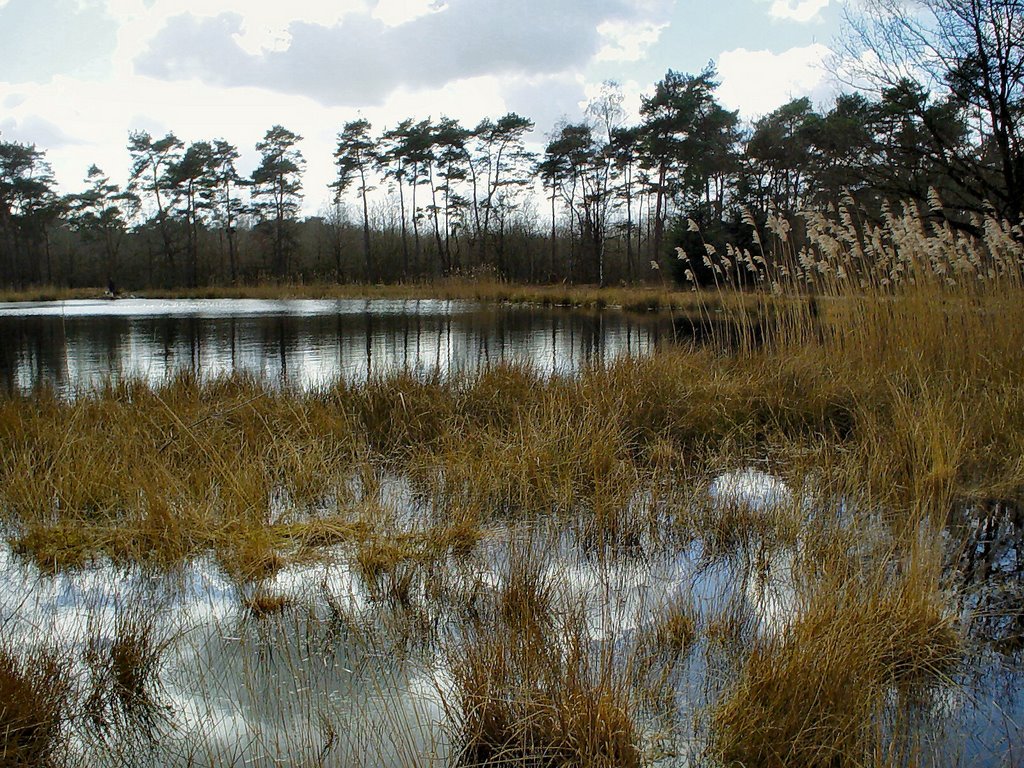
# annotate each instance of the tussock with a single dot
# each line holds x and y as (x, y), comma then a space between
(821, 691)
(35, 686)
(528, 691)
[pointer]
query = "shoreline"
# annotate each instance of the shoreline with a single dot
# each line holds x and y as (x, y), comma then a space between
(630, 299)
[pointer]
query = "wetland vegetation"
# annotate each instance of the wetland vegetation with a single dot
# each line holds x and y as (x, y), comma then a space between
(775, 522)
(792, 538)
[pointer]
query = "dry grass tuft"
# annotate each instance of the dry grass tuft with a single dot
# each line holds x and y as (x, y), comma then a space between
(124, 674)
(540, 699)
(675, 630)
(818, 693)
(35, 690)
(262, 604)
(529, 689)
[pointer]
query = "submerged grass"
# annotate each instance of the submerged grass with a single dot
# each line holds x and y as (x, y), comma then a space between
(124, 680)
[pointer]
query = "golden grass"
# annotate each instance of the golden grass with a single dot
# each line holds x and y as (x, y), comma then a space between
(262, 603)
(51, 293)
(528, 691)
(124, 686)
(821, 691)
(676, 630)
(262, 475)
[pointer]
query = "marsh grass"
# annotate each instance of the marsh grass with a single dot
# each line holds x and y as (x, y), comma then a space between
(877, 370)
(35, 689)
(124, 675)
(675, 630)
(529, 690)
(822, 691)
(263, 603)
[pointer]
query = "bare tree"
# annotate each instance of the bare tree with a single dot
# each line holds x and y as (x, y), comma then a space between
(968, 51)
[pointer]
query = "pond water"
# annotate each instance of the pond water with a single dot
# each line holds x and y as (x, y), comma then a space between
(346, 672)
(75, 345)
(235, 687)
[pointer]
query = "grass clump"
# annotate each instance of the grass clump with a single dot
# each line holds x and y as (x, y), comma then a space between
(675, 630)
(124, 675)
(35, 690)
(262, 603)
(529, 693)
(820, 691)
(528, 687)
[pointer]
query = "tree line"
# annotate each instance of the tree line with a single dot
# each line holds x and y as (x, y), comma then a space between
(599, 200)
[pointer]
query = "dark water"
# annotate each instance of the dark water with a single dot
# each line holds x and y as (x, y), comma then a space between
(76, 345)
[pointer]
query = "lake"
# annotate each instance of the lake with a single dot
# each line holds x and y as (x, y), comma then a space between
(77, 345)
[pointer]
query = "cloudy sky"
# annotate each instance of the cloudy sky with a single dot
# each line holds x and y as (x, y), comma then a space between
(77, 75)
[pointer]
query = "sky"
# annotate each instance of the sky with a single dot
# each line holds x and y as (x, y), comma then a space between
(77, 75)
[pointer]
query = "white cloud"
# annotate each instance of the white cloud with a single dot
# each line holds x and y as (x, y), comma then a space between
(390, 59)
(797, 10)
(756, 82)
(13, 100)
(32, 129)
(263, 26)
(259, 14)
(41, 40)
(194, 111)
(627, 40)
(395, 12)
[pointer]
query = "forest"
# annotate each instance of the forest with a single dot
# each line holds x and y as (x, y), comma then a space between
(597, 201)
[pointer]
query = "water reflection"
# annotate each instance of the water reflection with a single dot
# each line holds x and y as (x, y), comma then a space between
(342, 676)
(77, 345)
